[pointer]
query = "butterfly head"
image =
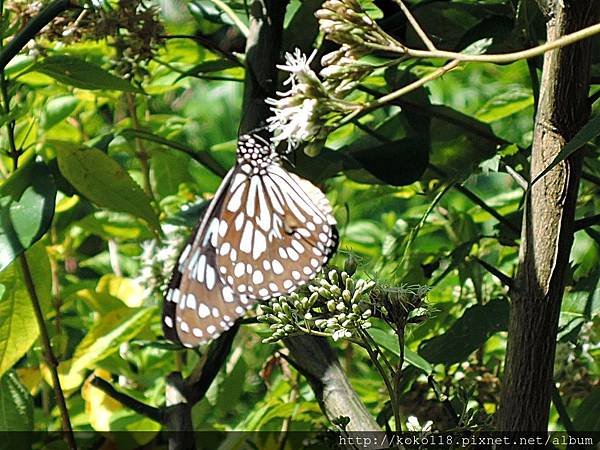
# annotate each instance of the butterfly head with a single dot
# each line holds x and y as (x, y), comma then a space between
(256, 151)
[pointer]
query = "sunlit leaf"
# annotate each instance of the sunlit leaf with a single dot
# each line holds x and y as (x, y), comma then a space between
(103, 181)
(108, 333)
(16, 409)
(18, 324)
(81, 74)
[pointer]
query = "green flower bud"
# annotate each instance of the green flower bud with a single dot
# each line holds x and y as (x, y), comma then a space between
(323, 292)
(346, 295)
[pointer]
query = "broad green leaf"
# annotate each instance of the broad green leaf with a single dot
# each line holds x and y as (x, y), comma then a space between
(397, 163)
(390, 343)
(589, 131)
(26, 209)
(18, 324)
(81, 74)
(507, 103)
(169, 170)
(587, 417)
(103, 181)
(467, 334)
(108, 333)
(16, 408)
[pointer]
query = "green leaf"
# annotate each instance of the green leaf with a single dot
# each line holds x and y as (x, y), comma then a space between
(203, 157)
(589, 131)
(587, 417)
(58, 109)
(390, 343)
(506, 103)
(108, 333)
(81, 74)
(26, 209)
(467, 334)
(18, 325)
(303, 27)
(16, 408)
(398, 163)
(207, 10)
(103, 181)
(169, 170)
(209, 66)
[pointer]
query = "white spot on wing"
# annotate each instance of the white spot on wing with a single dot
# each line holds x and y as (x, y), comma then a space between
(203, 311)
(246, 240)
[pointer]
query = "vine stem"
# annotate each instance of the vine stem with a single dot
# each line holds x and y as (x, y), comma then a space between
(48, 354)
(142, 154)
(399, 93)
(233, 16)
(496, 58)
(386, 380)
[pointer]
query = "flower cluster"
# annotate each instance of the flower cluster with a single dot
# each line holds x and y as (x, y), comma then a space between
(347, 23)
(335, 305)
(159, 258)
(399, 305)
(308, 109)
(133, 28)
(313, 106)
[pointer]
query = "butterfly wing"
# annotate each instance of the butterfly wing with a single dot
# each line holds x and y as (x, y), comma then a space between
(278, 232)
(198, 306)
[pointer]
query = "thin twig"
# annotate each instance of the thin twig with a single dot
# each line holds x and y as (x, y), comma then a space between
(33, 27)
(141, 152)
(202, 157)
(479, 202)
(416, 26)
(504, 279)
(398, 93)
(233, 16)
(562, 411)
(522, 182)
(49, 357)
(151, 412)
(210, 45)
(384, 376)
(586, 222)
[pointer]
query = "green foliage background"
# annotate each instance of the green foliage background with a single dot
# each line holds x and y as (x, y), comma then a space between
(111, 155)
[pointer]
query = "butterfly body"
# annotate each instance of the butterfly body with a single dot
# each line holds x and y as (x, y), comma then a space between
(266, 232)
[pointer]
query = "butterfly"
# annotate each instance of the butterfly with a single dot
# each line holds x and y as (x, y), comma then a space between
(266, 232)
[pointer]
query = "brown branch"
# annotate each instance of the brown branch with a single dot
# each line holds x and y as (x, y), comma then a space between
(586, 222)
(548, 225)
(314, 359)
(145, 410)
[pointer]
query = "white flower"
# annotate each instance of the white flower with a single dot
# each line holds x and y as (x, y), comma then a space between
(412, 424)
(298, 64)
(295, 124)
(301, 113)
